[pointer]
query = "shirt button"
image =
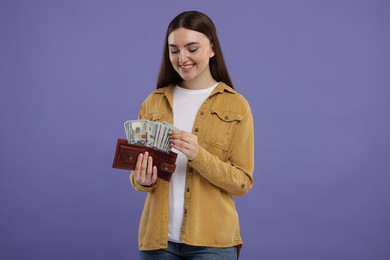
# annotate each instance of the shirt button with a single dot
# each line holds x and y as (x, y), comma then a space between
(243, 186)
(190, 170)
(201, 113)
(188, 189)
(185, 211)
(226, 117)
(196, 130)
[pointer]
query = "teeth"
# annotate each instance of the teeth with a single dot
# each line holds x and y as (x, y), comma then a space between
(186, 66)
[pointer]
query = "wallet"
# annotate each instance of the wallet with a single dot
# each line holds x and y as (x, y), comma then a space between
(126, 156)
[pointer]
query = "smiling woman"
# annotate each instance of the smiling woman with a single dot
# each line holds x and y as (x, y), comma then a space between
(190, 52)
(215, 146)
(195, 22)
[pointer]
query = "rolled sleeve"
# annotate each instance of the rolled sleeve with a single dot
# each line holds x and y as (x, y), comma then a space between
(139, 187)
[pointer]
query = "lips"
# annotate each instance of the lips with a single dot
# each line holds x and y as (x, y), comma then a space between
(186, 66)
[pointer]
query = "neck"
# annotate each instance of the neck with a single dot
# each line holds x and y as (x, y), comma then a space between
(202, 82)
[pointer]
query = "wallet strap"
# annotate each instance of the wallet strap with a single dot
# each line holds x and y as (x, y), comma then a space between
(168, 167)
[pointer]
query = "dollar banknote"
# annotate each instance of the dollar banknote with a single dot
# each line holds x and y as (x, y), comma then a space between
(149, 133)
(136, 131)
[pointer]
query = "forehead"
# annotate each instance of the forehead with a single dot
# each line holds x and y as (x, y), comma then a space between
(182, 36)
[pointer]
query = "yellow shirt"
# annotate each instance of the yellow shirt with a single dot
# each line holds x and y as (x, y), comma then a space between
(222, 169)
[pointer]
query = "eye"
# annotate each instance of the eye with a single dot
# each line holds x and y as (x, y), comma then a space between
(193, 50)
(174, 51)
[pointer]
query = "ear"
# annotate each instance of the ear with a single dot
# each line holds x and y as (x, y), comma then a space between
(212, 53)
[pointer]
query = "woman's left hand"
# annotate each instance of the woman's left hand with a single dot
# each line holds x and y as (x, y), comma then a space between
(185, 142)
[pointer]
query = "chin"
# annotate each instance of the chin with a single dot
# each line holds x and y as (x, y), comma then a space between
(186, 77)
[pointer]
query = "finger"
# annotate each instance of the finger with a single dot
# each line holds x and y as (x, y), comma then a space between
(144, 163)
(174, 132)
(177, 134)
(154, 176)
(138, 167)
(149, 170)
(176, 146)
(180, 148)
(139, 161)
(181, 144)
(189, 150)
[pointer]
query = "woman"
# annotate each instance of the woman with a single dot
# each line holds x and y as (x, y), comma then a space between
(194, 215)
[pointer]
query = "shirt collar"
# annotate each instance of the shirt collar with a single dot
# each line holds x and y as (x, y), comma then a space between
(221, 87)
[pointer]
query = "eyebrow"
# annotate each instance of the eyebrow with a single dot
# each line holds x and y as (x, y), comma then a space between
(188, 44)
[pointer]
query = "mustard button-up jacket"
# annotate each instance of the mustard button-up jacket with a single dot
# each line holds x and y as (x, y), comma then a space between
(222, 169)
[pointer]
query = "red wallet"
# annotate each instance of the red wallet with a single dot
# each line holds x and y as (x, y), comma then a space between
(126, 156)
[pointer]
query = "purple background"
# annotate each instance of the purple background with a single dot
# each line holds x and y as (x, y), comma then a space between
(316, 73)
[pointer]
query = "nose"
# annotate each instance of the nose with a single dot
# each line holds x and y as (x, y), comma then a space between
(182, 56)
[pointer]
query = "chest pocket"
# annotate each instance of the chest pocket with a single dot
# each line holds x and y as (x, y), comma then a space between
(223, 124)
(155, 116)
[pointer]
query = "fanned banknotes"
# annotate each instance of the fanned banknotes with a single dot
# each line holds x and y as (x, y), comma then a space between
(149, 133)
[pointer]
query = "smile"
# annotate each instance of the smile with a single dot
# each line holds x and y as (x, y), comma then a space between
(186, 67)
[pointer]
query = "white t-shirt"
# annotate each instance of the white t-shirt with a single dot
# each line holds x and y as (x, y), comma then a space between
(186, 103)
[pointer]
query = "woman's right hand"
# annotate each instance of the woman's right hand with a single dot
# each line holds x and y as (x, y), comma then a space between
(145, 173)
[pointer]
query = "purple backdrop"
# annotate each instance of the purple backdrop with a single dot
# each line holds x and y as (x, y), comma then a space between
(315, 72)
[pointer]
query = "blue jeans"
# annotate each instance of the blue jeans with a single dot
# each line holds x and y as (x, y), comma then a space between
(183, 251)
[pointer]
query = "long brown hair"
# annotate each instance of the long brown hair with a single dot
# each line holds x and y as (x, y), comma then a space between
(196, 21)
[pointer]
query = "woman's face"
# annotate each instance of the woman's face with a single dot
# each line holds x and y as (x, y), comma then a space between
(189, 53)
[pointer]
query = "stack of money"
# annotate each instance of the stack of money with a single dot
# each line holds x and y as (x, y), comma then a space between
(148, 133)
